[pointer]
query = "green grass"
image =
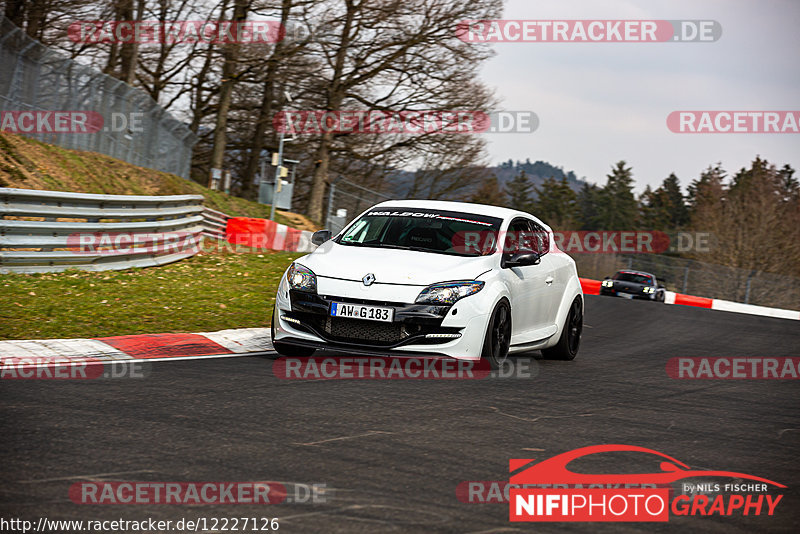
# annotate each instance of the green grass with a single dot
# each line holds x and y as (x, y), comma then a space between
(210, 291)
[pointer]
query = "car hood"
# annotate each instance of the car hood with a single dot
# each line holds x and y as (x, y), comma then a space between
(392, 266)
(631, 286)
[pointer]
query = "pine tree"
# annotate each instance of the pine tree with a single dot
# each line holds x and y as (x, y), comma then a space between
(589, 206)
(664, 208)
(556, 204)
(618, 207)
(490, 193)
(519, 192)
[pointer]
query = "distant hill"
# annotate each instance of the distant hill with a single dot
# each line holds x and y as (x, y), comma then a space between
(537, 173)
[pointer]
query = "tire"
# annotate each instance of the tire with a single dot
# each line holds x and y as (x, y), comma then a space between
(498, 336)
(284, 349)
(661, 297)
(570, 340)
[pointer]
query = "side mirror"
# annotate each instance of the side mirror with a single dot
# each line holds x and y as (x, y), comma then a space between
(523, 259)
(320, 236)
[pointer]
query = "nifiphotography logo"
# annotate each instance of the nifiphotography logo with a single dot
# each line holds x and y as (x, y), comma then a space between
(549, 491)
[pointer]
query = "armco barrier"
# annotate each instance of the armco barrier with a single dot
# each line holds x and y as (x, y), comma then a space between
(47, 243)
(592, 287)
(214, 223)
(266, 234)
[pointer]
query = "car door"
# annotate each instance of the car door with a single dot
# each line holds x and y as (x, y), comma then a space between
(557, 271)
(527, 284)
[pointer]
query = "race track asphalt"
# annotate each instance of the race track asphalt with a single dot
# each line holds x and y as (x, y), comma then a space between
(392, 452)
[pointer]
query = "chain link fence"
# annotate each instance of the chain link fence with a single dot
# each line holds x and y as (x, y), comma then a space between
(699, 278)
(34, 78)
(346, 200)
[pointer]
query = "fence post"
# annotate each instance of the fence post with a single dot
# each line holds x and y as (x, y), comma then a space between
(747, 287)
(331, 193)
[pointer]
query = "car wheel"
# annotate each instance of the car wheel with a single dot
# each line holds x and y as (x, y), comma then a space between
(660, 297)
(498, 336)
(570, 340)
(284, 349)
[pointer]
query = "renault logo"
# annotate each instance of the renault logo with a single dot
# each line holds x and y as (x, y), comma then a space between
(368, 279)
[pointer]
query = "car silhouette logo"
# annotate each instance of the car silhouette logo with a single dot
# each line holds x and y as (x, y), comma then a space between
(554, 470)
(368, 279)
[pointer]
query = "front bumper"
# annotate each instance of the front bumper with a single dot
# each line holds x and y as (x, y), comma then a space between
(611, 292)
(455, 331)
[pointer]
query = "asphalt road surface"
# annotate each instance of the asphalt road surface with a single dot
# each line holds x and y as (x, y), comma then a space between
(391, 453)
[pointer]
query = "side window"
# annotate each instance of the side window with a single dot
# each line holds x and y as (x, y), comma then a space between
(541, 239)
(517, 236)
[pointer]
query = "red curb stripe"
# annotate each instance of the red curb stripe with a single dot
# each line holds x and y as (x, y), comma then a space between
(165, 345)
(690, 300)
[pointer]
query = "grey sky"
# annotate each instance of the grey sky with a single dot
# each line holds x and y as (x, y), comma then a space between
(602, 102)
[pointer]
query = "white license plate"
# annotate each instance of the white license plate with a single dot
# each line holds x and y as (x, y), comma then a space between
(357, 311)
(625, 295)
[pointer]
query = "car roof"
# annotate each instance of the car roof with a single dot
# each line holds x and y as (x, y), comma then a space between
(631, 271)
(467, 207)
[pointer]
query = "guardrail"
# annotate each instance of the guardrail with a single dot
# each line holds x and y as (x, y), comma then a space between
(40, 230)
(214, 223)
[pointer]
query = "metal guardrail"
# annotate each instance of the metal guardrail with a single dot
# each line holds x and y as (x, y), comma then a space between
(40, 231)
(214, 223)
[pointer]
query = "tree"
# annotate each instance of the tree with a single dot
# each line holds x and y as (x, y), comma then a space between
(754, 223)
(392, 55)
(618, 208)
(490, 193)
(229, 78)
(556, 203)
(519, 192)
(664, 208)
(588, 207)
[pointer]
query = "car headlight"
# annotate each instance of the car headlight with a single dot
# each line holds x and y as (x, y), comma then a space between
(608, 283)
(448, 292)
(301, 278)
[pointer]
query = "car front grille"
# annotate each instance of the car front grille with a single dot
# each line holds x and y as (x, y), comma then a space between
(355, 329)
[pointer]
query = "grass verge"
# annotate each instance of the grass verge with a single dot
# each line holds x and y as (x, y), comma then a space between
(210, 291)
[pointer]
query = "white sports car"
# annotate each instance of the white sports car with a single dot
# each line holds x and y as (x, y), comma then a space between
(446, 278)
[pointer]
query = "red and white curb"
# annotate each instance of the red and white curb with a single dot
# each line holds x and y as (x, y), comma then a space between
(592, 287)
(141, 347)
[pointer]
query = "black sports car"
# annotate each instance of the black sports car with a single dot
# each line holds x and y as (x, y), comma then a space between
(633, 285)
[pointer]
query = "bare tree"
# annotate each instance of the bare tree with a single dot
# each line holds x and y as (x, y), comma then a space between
(389, 55)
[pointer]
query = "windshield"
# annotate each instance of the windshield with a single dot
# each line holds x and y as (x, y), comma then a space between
(636, 278)
(425, 230)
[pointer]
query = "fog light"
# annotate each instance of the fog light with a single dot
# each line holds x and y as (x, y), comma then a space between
(290, 319)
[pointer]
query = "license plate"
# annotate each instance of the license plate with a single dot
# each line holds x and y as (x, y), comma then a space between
(357, 311)
(625, 295)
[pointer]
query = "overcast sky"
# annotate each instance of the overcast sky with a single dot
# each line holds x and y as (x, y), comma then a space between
(602, 102)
